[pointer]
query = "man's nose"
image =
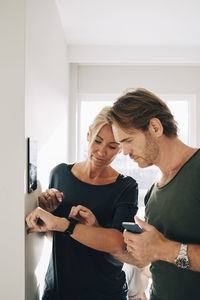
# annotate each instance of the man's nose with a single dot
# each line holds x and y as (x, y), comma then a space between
(125, 149)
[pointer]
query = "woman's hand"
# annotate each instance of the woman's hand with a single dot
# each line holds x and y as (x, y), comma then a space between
(50, 199)
(84, 215)
(41, 220)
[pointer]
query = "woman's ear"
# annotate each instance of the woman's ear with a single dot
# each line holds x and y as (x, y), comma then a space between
(88, 136)
(155, 127)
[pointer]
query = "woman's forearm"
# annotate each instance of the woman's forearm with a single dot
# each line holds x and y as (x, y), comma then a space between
(108, 240)
(104, 239)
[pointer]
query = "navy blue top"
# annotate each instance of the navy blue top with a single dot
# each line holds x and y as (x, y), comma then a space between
(77, 272)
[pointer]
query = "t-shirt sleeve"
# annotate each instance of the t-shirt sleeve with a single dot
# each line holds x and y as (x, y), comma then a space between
(54, 179)
(126, 205)
(55, 175)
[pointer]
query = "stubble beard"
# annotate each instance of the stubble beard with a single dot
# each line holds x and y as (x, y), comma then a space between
(151, 152)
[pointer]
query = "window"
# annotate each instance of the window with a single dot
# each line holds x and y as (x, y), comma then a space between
(183, 109)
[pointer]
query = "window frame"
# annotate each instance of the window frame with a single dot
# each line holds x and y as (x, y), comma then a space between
(191, 98)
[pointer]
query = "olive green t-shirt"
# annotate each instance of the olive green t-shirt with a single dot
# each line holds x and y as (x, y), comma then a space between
(174, 210)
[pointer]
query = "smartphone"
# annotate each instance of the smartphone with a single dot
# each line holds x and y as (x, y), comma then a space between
(132, 227)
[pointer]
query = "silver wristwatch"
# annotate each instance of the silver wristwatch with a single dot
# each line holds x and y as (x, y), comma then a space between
(182, 261)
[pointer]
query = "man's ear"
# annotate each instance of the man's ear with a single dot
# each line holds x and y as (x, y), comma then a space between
(155, 127)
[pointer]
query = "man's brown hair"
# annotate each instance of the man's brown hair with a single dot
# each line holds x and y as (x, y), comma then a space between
(137, 107)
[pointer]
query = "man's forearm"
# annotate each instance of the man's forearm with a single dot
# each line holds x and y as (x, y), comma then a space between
(171, 250)
(194, 257)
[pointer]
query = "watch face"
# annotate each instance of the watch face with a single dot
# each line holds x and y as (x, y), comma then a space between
(182, 262)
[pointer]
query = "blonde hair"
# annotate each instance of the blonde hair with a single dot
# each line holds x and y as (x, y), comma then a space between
(99, 121)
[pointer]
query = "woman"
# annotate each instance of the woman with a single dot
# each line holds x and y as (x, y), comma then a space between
(82, 266)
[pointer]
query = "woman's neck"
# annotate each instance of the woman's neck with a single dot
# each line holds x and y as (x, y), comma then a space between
(86, 172)
(95, 172)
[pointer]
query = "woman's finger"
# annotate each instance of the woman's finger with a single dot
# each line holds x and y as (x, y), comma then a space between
(43, 200)
(28, 222)
(71, 214)
(50, 199)
(31, 223)
(84, 214)
(35, 229)
(83, 208)
(59, 196)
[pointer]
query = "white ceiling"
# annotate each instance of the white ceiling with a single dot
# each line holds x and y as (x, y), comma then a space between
(131, 22)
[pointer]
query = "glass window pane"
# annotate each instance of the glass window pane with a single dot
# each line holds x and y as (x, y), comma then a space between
(180, 110)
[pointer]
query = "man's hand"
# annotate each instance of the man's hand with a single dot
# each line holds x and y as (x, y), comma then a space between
(84, 215)
(50, 199)
(148, 246)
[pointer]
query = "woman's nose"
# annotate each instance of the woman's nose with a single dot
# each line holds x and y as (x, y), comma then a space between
(102, 150)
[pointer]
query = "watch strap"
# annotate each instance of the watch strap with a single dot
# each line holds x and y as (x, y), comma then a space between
(71, 226)
(182, 261)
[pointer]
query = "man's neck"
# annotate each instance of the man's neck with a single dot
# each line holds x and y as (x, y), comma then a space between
(173, 155)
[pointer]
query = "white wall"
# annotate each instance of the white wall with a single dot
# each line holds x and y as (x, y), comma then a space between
(33, 102)
(168, 79)
(12, 150)
(46, 114)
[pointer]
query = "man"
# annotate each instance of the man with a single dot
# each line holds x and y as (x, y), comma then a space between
(144, 126)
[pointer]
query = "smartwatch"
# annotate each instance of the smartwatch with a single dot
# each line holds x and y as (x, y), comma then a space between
(71, 226)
